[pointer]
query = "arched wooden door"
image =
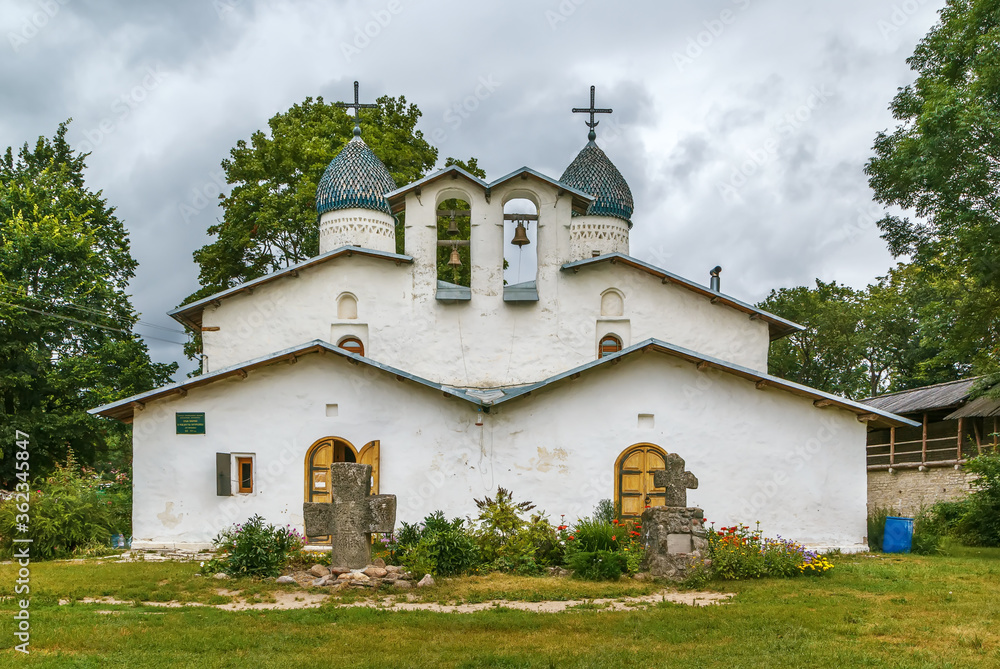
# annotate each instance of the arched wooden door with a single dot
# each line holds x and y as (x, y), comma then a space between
(634, 488)
(321, 455)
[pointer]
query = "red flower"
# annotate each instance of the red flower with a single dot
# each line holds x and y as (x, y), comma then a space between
(571, 537)
(613, 537)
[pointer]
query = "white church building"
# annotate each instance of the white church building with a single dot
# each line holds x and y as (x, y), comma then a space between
(566, 388)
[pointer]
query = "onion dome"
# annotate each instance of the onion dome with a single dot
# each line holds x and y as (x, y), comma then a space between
(593, 173)
(355, 178)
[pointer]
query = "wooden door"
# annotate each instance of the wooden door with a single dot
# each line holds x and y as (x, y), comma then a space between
(634, 488)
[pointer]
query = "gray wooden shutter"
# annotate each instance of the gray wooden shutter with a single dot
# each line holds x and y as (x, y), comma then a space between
(223, 475)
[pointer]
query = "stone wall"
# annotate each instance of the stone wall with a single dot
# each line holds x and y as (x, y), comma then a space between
(905, 491)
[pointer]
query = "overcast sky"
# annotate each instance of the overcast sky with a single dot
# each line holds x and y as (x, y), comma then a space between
(742, 126)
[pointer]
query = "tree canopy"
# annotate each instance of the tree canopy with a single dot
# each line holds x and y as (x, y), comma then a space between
(66, 342)
(942, 165)
(269, 220)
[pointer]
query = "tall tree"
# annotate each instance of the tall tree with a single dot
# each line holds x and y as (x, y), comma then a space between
(269, 219)
(942, 164)
(65, 319)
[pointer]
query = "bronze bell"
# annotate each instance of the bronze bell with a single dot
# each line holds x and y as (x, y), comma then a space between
(520, 235)
(454, 260)
(452, 226)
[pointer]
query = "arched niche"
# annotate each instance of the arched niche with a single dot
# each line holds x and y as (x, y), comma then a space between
(520, 261)
(454, 238)
(612, 303)
(347, 307)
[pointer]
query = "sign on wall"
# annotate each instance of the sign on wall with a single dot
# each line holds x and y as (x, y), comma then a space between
(190, 423)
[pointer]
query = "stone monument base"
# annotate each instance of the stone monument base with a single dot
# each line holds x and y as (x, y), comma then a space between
(674, 537)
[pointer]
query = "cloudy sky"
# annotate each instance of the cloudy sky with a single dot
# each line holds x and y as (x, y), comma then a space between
(742, 126)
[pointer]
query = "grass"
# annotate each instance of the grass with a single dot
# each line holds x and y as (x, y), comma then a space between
(871, 611)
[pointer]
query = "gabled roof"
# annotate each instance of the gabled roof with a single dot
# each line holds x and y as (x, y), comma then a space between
(488, 397)
(397, 198)
(948, 395)
(581, 199)
(190, 314)
(777, 327)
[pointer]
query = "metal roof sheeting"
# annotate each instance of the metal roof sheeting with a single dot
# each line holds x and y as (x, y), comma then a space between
(981, 407)
(938, 396)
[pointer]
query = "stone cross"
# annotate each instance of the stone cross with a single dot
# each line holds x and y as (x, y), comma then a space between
(351, 515)
(675, 480)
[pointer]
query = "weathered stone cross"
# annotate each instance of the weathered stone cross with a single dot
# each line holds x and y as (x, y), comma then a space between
(675, 480)
(351, 515)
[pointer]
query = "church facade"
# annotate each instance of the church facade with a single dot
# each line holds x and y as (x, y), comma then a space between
(566, 386)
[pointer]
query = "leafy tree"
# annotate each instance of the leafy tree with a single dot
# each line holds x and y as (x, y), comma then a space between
(861, 343)
(942, 163)
(269, 219)
(65, 320)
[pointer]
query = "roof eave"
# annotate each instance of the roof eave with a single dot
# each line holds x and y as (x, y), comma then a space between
(190, 314)
(777, 327)
(397, 198)
(581, 200)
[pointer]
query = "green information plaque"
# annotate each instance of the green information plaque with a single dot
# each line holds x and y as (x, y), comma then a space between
(190, 423)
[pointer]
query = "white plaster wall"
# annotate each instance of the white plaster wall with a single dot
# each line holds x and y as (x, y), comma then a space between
(484, 342)
(759, 455)
(357, 227)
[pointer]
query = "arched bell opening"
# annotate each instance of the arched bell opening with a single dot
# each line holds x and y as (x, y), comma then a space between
(520, 251)
(454, 248)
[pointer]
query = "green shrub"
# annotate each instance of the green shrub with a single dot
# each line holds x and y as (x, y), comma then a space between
(876, 527)
(980, 524)
(927, 535)
(591, 535)
(254, 548)
(605, 511)
(602, 565)
(509, 543)
(68, 512)
(437, 546)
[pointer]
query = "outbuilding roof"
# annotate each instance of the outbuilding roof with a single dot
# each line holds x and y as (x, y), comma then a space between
(948, 395)
(488, 397)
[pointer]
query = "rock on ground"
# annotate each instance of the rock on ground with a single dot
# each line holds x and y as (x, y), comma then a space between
(427, 580)
(285, 579)
(319, 571)
(221, 576)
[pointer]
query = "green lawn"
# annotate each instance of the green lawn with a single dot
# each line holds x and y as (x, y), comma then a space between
(881, 611)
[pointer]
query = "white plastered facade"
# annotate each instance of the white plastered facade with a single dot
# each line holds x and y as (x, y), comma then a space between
(759, 453)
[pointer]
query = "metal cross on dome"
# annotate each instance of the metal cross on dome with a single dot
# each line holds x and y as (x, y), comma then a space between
(592, 124)
(357, 106)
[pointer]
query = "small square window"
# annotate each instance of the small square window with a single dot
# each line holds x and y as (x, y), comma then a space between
(244, 470)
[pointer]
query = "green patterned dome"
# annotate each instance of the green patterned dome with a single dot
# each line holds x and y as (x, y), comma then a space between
(594, 173)
(354, 178)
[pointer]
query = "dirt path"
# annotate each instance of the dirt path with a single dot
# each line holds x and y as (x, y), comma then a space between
(303, 600)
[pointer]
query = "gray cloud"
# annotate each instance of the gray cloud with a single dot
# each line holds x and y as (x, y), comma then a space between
(701, 92)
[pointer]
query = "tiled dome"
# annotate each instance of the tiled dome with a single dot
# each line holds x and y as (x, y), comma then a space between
(354, 178)
(594, 173)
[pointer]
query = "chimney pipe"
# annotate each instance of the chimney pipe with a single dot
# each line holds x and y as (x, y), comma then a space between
(716, 283)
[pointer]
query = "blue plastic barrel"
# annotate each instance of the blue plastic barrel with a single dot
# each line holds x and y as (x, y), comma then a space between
(898, 536)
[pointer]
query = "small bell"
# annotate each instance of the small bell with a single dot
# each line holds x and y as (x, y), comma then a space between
(452, 226)
(454, 260)
(520, 235)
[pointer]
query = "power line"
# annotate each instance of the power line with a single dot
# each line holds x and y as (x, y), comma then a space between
(96, 325)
